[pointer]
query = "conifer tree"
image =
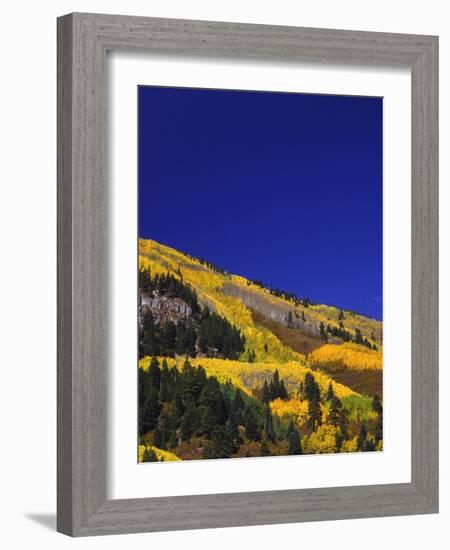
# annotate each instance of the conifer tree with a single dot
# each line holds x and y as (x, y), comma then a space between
(335, 411)
(265, 394)
(362, 436)
(158, 440)
(293, 438)
(165, 383)
(268, 424)
(149, 455)
(237, 408)
(188, 422)
(251, 425)
(154, 374)
(149, 412)
(330, 392)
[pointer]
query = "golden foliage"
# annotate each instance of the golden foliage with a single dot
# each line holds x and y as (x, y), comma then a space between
(350, 446)
(160, 453)
(293, 408)
(323, 440)
(250, 376)
(336, 358)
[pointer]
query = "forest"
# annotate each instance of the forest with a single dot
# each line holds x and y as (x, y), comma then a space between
(213, 383)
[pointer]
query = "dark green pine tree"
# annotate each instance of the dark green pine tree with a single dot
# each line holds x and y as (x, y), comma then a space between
(149, 455)
(335, 411)
(266, 347)
(311, 388)
(293, 437)
(282, 391)
(358, 337)
(343, 423)
(322, 331)
(168, 338)
(165, 383)
(212, 408)
(149, 412)
(330, 392)
(314, 415)
(154, 374)
(269, 432)
(265, 394)
(148, 342)
(220, 444)
(362, 437)
(237, 409)
(189, 421)
(158, 439)
(232, 435)
(251, 425)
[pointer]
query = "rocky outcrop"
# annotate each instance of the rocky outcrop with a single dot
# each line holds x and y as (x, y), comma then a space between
(163, 308)
(277, 312)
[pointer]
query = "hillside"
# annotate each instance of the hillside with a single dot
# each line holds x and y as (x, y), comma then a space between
(239, 332)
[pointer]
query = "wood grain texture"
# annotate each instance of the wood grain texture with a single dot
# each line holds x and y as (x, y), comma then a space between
(83, 244)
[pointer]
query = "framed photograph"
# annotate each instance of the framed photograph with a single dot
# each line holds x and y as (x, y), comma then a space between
(247, 274)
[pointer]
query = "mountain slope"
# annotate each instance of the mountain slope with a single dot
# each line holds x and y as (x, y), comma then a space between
(276, 329)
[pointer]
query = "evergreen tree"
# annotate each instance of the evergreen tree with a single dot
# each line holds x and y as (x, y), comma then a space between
(154, 374)
(165, 383)
(266, 347)
(212, 409)
(323, 334)
(330, 392)
(335, 411)
(268, 424)
(237, 409)
(168, 338)
(149, 455)
(265, 394)
(362, 436)
(189, 421)
(251, 425)
(148, 342)
(343, 422)
(158, 440)
(293, 438)
(358, 336)
(220, 445)
(314, 415)
(311, 388)
(149, 412)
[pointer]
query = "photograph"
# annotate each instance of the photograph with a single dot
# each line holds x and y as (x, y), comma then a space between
(260, 274)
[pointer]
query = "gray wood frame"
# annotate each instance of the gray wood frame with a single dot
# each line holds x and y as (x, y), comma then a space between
(83, 40)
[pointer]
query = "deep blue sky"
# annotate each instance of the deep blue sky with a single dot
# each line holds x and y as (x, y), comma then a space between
(286, 188)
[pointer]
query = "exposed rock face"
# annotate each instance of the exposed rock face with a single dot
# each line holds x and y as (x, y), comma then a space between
(163, 308)
(276, 312)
